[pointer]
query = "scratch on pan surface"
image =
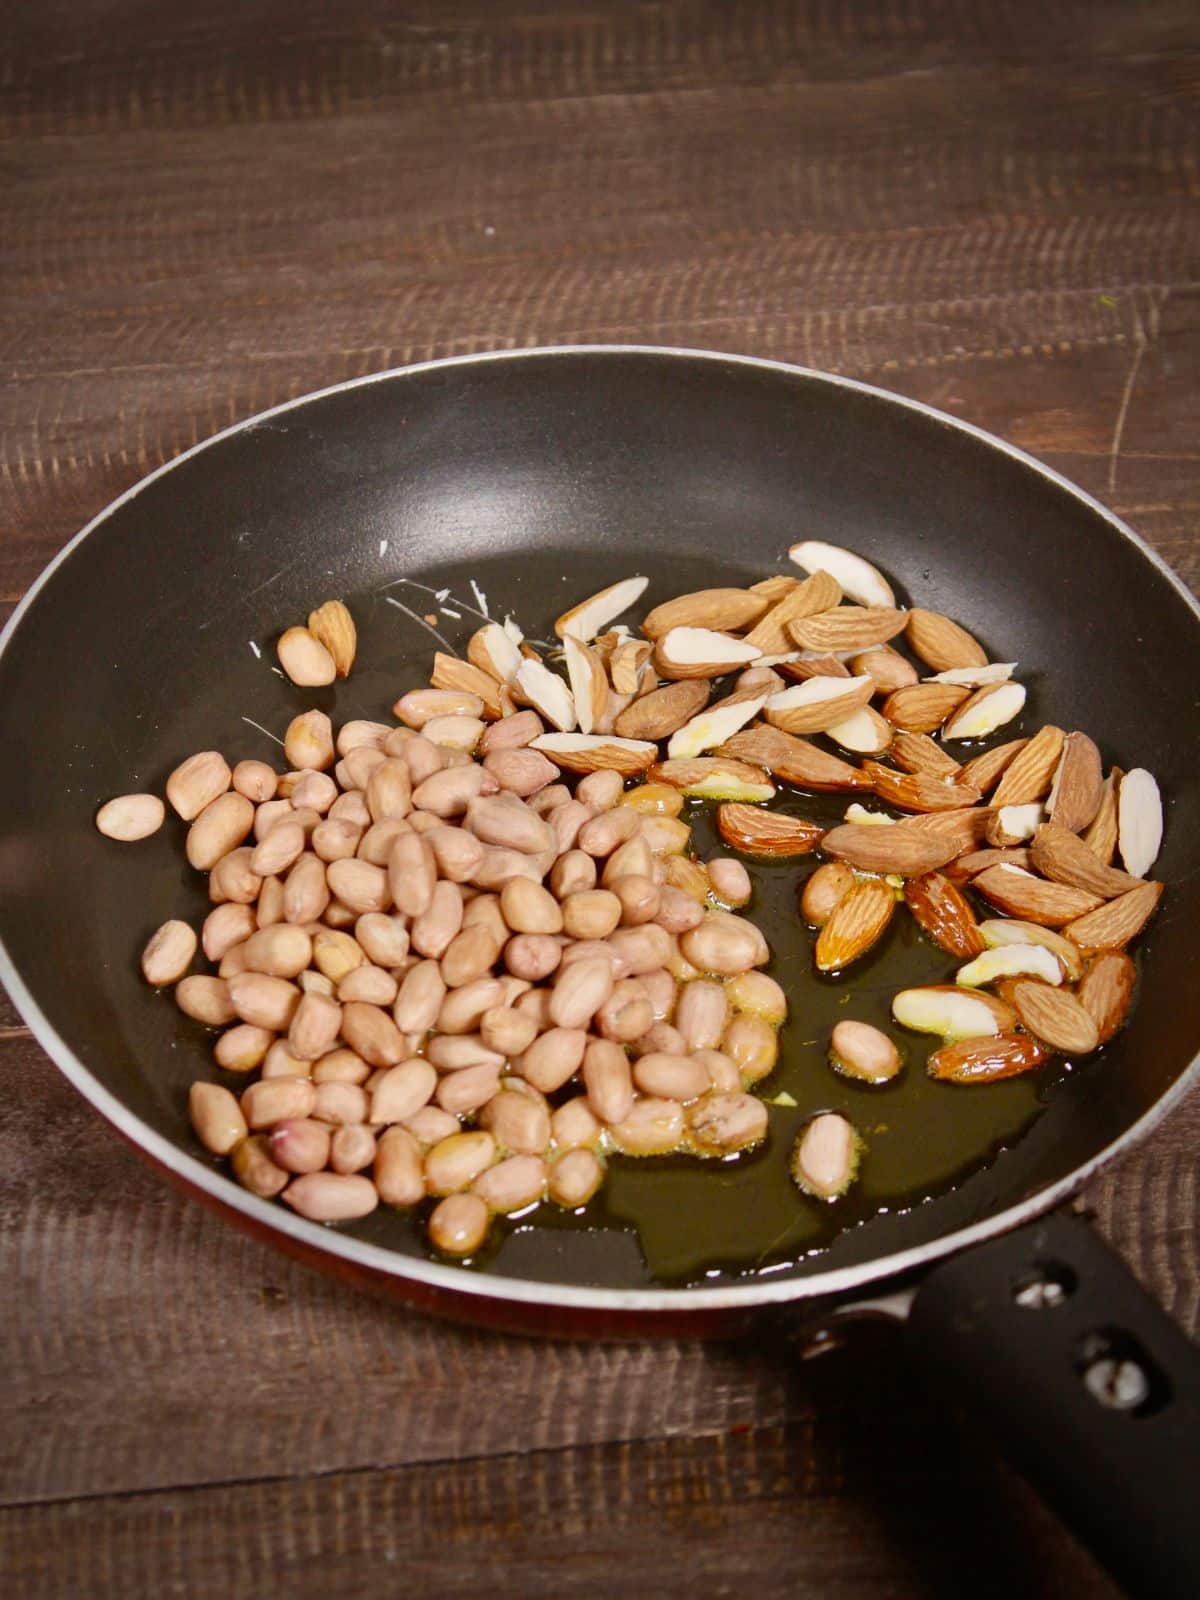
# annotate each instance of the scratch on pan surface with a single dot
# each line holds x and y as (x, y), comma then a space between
(482, 599)
(420, 621)
(383, 544)
(457, 615)
(261, 729)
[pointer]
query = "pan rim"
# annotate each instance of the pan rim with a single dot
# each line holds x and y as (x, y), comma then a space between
(377, 1259)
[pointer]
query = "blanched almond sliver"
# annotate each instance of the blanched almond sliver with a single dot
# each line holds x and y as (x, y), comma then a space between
(941, 1011)
(863, 731)
(976, 677)
(1001, 931)
(700, 647)
(593, 615)
(712, 727)
(1139, 821)
(547, 694)
(859, 580)
(589, 685)
(987, 709)
(493, 650)
(1004, 961)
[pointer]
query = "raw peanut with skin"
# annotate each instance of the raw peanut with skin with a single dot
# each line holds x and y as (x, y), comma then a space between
(723, 1072)
(360, 733)
(263, 1000)
(458, 1224)
(608, 1081)
(590, 914)
(457, 853)
(411, 874)
(281, 951)
(270, 902)
(509, 824)
(273, 1100)
(511, 733)
(233, 961)
(677, 910)
(359, 885)
(335, 839)
(372, 1034)
(168, 954)
(242, 1048)
(356, 769)
(456, 1162)
(640, 899)
(311, 982)
(654, 800)
(227, 925)
(519, 1124)
(352, 1148)
(340, 1066)
(752, 1044)
(641, 950)
(565, 821)
(454, 1052)
(574, 870)
(627, 1013)
(431, 1125)
(332, 1196)
(601, 790)
(308, 742)
(454, 733)
(129, 817)
(463, 1009)
(663, 836)
(466, 1091)
(402, 1091)
(280, 1063)
(254, 1169)
(532, 956)
(553, 1058)
(335, 953)
(398, 1169)
(579, 992)
(689, 876)
(314, 791)
(383, 939)
(389, 790)
(730, 881)
(500, 864)
(300, 1145)
(826, 1157)
(660, 1038)
(758, 995)
(671, 1077)
(305, 659)
(512, 1184)
(723, 944)
(549, 799)
(305, 891)
(527, 907)
(633, 859)
(469, 955)
(652, 1127)
(601, 835)
(219, 828)
(860, 1051)
(574, 1178)
(216, 1117)
(721, 1123)
(314, 1028)
(197, 782)
(448, 791)
(422, 757)
(701, 1014)
(574, 1126)
(433, 930)
(506, 1031)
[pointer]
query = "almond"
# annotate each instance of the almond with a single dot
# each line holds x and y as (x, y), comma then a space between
(593, 615)
(806, 599)
(766, 833)
(1115, 924)
(1008, 930)
(988, 708)
(1063, 857)
(807, 665)
(952, 1012)
(858, 578)
(864, 731)
(660, 713)
(886, 666)
(715, 777)
(713, 726)
(1079, 784)
(976, 677)
(1055, 1017)
(917, 752)
(333, 625)
(964, 827)
(596, 752)
(971, 864)
(1022, 895)
(1009, 961)
(546, 692)
(794, 760)
(856, 923)
(900, 850)
(917, 791)
(588, 680)
(1106, 991)
(1029, 774)
(627, 665)
(451, 673)
(922, 707)
(726, 610)
(847, 628)
(942, 911)
(817, 704)
(495, 652)
(776, 586)
(986, 1060)
(688, 652)
(941, 643)
(1101, 836)
(1011, 825)
(1139, 821)
(982, 772)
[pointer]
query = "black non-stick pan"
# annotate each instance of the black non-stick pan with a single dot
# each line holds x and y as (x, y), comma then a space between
(535, 478)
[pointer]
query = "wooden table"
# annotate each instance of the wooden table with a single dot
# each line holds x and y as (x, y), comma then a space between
(208, 209)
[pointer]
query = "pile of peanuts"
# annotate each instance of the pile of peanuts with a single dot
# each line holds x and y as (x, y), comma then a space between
(448, 976)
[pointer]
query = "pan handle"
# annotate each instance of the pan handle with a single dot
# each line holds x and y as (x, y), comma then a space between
(1049, 1341)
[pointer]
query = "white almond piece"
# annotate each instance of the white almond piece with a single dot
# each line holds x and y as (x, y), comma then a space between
(976, 677)
(1003, 961)
(1020, 822)
(547, 694)
(722, 786)
(812, 692)
(871, 819)
(988, 714)
(712, 727)
(692, 647)
(593, 615)
(513, 631)
(1139, 821)
(1000, 931)
(953, 1016)
(774, 661)
(861, 733)
(501, 651)
(858, 579)
(589, 686)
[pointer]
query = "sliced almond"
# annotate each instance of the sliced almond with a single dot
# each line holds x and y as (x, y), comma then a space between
(951, 1012)
(847, 628)
(1032, 899)
(917, 752)
(1101, 836)
(588, 680)
(1008, 930)
(713, 726)
(1028, 776)
(901, 850)
(976, 677)
(494, 651)
(986, 1060)
(333, 625)
(725, 610)
(716, 778)
(758, 832)
(858, 578)
(1079, 786)
(596, 752)
(943, 912)
(987, 709)
(886, 666)
(1055, 1017)
(864, 731)
(1112, 926)
(817, 704)
(1065, 858)
(922, 707)
(917, 791)
(593, 615)
(451, 673)
(855, 924)
(806, 599)
(627, 664)
(701, 653)
(660, 713)
(1010, 960)
(1139, 821)
(984, 771)
(1014, 824)
(1106, 991)
(940, 642)
(546, 692)
(794, 760)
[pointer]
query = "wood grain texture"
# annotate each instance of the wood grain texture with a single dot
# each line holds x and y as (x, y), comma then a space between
(209, 210)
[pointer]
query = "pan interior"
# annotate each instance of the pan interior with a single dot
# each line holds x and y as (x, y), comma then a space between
(536, 480)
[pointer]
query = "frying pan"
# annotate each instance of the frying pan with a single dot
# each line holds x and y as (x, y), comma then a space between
(540, 476)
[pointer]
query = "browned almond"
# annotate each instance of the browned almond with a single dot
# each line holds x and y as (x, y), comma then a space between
(451, 673)
(1101, 835)
(1064, 857)
(923, 707)
(662, 712)
(1079, 786)
(847, 627)
(627, 663)
(691, 652)
(813, 667)
(917, 752)
(984, 771)
(1113, 925)
(897, 849)
(596, 752)
(1030, 773)
(918, 791)
(965, 827)
(718, 776)
(941, 643)
(1054, 1016)
(943, 912)
(986, 1060)
(818, 593)
(333, 625)
(794, 760)
(816, 704)
(1033, 899)
(766, 833)
(856, 923)
(725, 610)
(887, 667)
(976, 861)
(1106, 991)
(776, 586)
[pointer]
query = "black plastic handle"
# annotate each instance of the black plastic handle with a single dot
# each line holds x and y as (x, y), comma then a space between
(1050, 1342)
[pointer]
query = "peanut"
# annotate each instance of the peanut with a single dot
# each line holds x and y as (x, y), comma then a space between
(243, 1048)
(299, 1145)
(131, 816)
(352, 1148)
(456, 1162)
(216, 1117)
(399, 1170)
(168, 954)
(553, 1057)
(458, 1225)
(332, 1196)
(197, 782)
(512, 1184)
(575, 1178)
(219, 828)
(254, 1169)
